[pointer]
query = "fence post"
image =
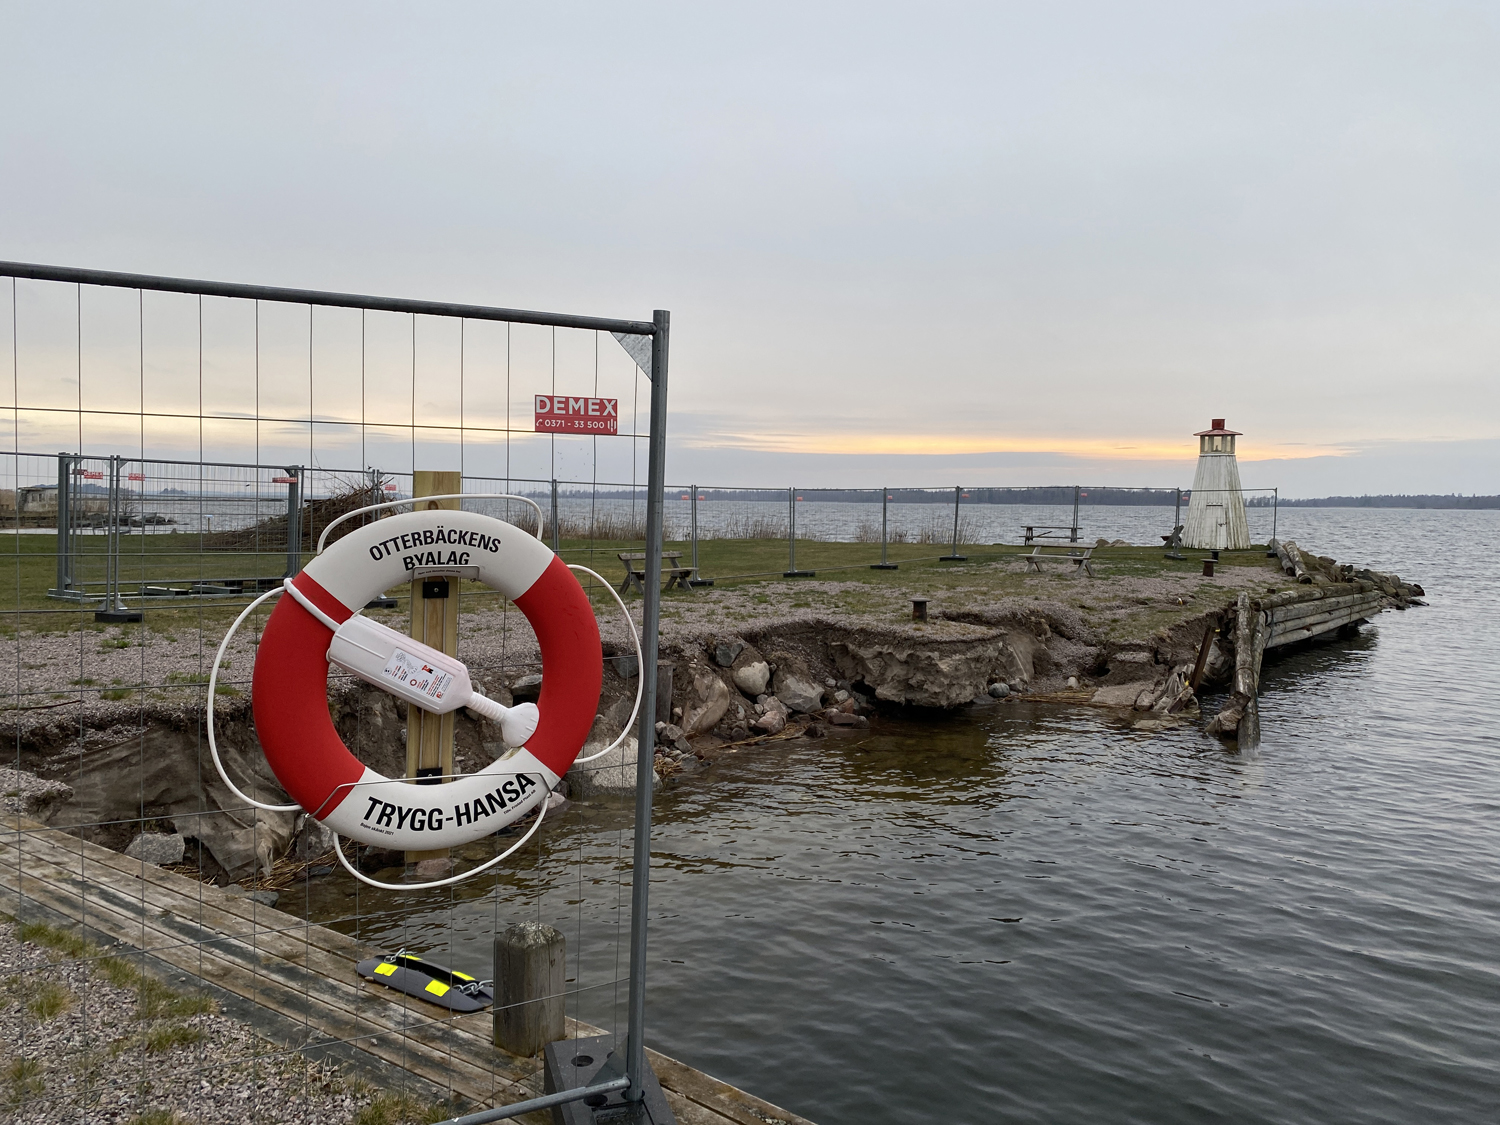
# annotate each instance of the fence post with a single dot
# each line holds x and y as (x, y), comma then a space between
(293, 521)
(375, 496)
(1073, 531)
(113, 609)
(1275, 503)
(693, 521)
(883, 564)
(958, 493)
(556, 541)
(791, 538)
(64, 522)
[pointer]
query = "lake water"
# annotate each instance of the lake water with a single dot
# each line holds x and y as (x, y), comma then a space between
(1025, 913)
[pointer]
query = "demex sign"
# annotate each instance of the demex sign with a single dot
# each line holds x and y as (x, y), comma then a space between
(564, 414)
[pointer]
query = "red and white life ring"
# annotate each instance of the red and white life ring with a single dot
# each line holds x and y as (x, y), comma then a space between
(289, 689)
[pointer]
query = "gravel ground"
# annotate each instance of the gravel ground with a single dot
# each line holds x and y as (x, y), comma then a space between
(132, 1052)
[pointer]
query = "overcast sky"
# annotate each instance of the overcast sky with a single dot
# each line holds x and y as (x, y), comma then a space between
(1029, 243)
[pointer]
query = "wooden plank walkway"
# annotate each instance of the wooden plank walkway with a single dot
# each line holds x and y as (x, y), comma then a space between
(304, 973)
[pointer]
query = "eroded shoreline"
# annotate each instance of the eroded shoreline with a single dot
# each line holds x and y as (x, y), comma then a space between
(746, 664)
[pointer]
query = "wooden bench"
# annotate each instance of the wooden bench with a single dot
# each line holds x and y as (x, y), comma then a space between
(1079, 558)
(635, 571)
(1044, 531)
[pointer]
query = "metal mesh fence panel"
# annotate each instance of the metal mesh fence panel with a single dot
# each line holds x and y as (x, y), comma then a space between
(191, 949)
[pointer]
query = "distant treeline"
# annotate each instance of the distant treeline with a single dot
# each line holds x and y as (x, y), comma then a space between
(1384, 501)
(1058, 494)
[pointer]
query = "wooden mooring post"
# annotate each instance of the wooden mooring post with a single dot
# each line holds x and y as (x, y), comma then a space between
(434, 621)
(530, 976)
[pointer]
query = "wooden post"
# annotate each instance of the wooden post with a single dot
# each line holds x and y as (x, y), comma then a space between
(434, 621)
(530, 975)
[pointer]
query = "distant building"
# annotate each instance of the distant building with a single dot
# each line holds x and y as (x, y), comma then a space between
(38, 498)
(1216, 513)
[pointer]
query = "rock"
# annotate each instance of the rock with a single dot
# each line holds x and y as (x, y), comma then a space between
(612, 775)
(527, 689)
(1117, 695)
(934, 673)
(378, 859)
(626, 666)
(727, 652)
(752, 678)
(1097, 544)
(436, 868)
(843, 719)
(707, 703)
(1072, 683)
(739, 733)
(796, 688)
(831, 683)
(772, 722)
(555, 801)
(999, 691)
(318, 872)
(313, 839)
(840, 695)
(265, 898)
(815, 730)
(157, 847)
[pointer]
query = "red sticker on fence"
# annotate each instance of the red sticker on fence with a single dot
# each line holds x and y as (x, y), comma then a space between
(564, 414)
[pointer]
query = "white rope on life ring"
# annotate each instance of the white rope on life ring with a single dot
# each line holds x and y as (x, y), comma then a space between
(289, 688)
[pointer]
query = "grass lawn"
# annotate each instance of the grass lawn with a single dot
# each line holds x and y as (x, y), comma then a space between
(28, 569)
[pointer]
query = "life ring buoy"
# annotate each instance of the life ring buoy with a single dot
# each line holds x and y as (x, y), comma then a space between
(289, 686)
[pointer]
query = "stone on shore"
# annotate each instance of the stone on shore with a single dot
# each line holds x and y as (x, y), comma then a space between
(795, 686)
(613, 775)
(753, 678)
(313, 839)
(1119, 695)
(708, 700)
(159, 848)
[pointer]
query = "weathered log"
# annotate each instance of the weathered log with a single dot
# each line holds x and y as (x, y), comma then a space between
(1302, 594)
(1247, 734)
(1244, 643)
(1306, 628)
(1287, 614)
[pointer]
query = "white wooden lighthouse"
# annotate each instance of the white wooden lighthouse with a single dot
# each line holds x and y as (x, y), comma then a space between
(1216, 513)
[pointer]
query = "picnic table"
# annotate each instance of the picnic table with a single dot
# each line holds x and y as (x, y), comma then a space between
(635, 571)
(1079, 558)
